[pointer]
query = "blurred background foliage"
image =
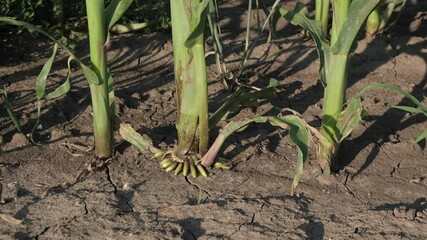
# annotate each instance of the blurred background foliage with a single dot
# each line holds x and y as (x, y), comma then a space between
(69, 17)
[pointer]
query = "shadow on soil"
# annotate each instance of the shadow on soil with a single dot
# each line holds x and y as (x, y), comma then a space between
(419, 204)
(192, 228)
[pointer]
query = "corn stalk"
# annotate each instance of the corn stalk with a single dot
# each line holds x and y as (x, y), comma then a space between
(102, 116)
(188, 24)
(100, 20)
(334, 58)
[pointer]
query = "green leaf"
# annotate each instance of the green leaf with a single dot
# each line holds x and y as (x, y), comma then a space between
(197, 22)
(273, 83)
(115, 10)
(10, 111)
(34, 28)
(422, 136)
(90, 75)
(235, 126)
(127, 28)
(111, 95)
(357, 14)
(64, 87)
(397, 2)
(349, 118)
(298, 17)
(409, 109)
(421, 108)
(299, 135)
(41, 79)
(129, 134)
(238, 99)
(394, 89)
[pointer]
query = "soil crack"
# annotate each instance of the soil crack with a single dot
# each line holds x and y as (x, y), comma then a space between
(42, 232)
(198, 187)
(394, 169)
(253, 218)
(107, 171)
(351, 191)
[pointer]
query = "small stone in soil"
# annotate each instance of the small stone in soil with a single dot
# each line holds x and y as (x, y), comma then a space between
(410, 214)
(18, 140)
(56, 134)
(403, 212)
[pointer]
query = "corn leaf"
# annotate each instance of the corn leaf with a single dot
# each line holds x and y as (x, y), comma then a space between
(64, 87)
(41, 79)
(421, 108)
(298, 134)
(9, 110)
(394, 89)
(235, 126)
(357, 14)
(127, 28)
(349, 118)
(89, 74)
(111, 95)
(239, 98)
(129, 134)
(41, 86)
(197, 22)
(422, 136)
(114, 11)
(34, 28)
(410, 109)
(298, 17)
(397, 2)
(300, 137)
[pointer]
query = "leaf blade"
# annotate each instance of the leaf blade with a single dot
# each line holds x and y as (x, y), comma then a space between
(114, 11)
(42, 77)
(349, 118)
(357, 14)
(298, 17)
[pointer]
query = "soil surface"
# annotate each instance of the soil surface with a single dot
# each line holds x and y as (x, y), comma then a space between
(379, 193)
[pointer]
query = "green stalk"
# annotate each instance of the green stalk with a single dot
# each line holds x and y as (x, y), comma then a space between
(336, 81)
(99, 93)
(334, 95)
(340, 11)
(322, 14)
(190, 77)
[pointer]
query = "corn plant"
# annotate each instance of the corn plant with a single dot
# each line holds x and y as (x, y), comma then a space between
(100, 19)
(347, 20)
(192, 153)
(188, 24)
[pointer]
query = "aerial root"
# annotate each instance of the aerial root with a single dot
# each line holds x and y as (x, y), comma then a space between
(185, 165)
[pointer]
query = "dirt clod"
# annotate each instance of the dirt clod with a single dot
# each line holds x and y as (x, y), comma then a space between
(18, 140)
